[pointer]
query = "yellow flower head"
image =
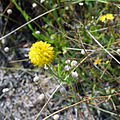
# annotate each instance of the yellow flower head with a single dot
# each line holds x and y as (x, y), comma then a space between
(41, 53)
(106, 17)
(97, 61)
(103, 18)
(109, 16)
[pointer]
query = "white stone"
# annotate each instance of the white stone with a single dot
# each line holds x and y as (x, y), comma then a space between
(63, 91)
(73, 63)
(5, 90)
(56, 117)
(74, 74)
(41, 97)
(34, 5)
(6, 49)
(9, 11)
(36, 78)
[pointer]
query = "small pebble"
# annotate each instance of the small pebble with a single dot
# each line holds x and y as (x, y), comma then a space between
(63, 91)
(36, 78)
(41, 97)
(56, 117)
(5, 90)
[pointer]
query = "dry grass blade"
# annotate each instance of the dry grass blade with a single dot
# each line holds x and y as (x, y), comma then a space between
(28, 23)
(84, 100)
(103, 47)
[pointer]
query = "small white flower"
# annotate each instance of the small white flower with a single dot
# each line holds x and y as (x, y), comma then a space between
(118, 50)
(81, 4)
(5, 90)
(34, 5)
(36, 78)
(66, 8)
(41, 97)
(56, 117)
(74, 74)
(82, 51)
(37, 32)
(67, 67)
(67, 61)
(74, 63)
(9, 11)
(63, 91)
(6, 49)
(41, 1)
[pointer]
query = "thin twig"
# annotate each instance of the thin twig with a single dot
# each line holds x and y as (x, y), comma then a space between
(28, 23)
(102, 47)
(84, 100)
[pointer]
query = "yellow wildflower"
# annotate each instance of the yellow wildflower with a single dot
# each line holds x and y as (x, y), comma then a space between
(41, 53)
(107, 61)
(103, 18)
(109, 16)
(106, 17)
(97, 61)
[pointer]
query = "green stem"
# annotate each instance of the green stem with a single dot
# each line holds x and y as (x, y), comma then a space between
(75, 98)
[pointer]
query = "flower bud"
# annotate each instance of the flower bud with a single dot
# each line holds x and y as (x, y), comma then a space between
(81, 4)
(67, 68)
(34, 5)
(74, 63)
(74, 74)
(41, 1)
(6, 49)
(9, 11)
(67, 61)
